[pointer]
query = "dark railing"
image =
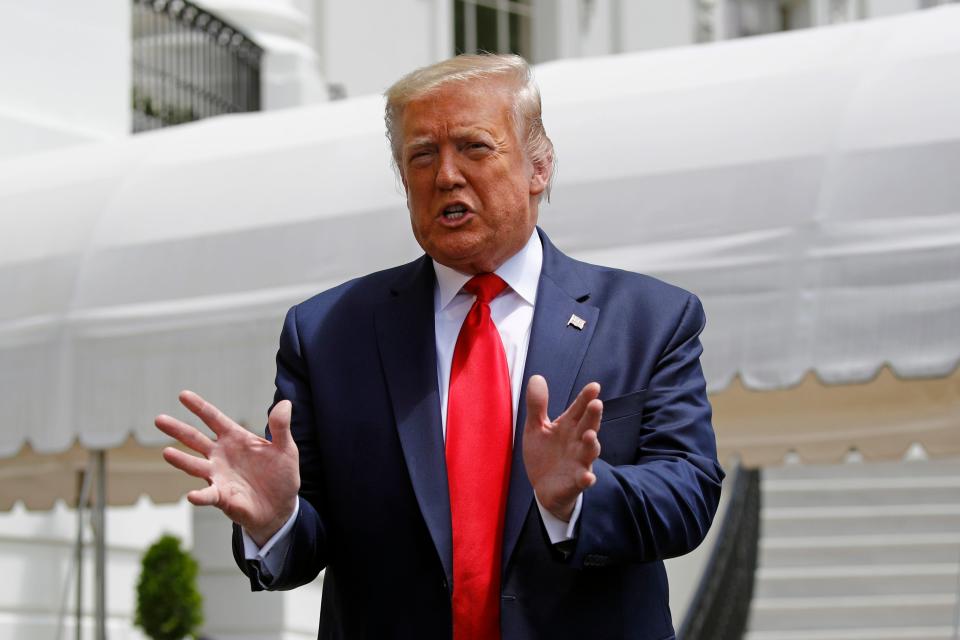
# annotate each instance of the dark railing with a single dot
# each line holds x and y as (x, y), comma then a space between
(721, 604)
(189, 64)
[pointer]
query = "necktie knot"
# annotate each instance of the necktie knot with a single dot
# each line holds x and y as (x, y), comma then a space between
(485, 286)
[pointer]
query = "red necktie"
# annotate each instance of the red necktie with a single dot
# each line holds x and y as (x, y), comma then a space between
(479, 435)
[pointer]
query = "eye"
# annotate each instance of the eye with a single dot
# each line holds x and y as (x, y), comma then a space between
(419, 157)
(477, 147)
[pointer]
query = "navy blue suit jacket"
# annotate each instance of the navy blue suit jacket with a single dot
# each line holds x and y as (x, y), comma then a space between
(359, 364)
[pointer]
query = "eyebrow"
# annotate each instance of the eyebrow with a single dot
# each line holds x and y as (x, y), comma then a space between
(470, 132)
(457, 134)
(418, 143)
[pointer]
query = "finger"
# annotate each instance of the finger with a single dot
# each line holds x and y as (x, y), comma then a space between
(590, 448)
(185, 434)
(590, 420)
(206, 497)
(537, 398)
(586, 480)
(191, 465)
(575, 411)
(279, 424)
(218, 422)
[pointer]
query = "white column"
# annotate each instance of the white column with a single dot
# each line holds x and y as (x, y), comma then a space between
(568, 28)
(819, 12)
(442, 16)
(653, 24)
(231, 610)
(556, 29)
(721, 19)
(291, 72)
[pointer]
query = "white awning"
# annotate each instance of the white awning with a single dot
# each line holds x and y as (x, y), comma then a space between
(803, 184)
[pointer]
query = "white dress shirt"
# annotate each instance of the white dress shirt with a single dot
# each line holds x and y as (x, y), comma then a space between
(512, 313)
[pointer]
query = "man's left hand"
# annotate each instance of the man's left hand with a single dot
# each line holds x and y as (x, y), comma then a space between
(559, 455)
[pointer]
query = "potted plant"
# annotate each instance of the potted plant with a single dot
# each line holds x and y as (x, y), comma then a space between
(169, 606)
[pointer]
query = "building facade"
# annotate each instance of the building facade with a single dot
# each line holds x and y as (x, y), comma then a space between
(68, 68)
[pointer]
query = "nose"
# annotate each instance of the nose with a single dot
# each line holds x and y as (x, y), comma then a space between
(448, 171)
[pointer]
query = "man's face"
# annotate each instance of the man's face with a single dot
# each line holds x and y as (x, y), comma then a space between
(471, 191)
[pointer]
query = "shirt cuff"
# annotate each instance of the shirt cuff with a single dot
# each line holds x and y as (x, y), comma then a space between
(558, 530)
(270, 556)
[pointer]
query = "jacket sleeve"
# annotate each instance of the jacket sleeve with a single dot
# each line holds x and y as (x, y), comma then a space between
(307, 551)
(662, 505)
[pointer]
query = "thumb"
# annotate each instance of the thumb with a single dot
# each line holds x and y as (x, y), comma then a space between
(279, 424)
(537, 399)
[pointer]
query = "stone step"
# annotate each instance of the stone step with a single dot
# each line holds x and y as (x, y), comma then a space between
(860, 551)
(826, 492)
(852, 612)
(849, 520)
(786, 551)
(902, 633)
(877, 470)
(856, 580)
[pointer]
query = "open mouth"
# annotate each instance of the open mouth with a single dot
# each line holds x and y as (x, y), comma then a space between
(454, 212)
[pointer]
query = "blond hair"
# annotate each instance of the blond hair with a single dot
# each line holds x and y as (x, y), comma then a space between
(467, 68)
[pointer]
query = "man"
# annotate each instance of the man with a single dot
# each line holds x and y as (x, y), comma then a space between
(413, 454)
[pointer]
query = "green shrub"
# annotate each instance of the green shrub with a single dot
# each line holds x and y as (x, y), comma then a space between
(169, 607)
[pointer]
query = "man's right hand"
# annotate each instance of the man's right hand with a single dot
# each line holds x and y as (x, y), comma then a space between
(254, 481)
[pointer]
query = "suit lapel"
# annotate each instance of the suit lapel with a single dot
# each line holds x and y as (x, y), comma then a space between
(407, 342)
(556, 352)
(406, 337)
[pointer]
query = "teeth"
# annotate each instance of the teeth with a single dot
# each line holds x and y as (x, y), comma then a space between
(455, 212)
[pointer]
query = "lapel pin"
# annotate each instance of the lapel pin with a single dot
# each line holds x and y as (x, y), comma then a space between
(576, 321)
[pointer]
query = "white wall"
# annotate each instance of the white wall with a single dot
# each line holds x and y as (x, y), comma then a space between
(231, 610)
(65, 69)
(66, 66)
(36, 562)
(20, 133)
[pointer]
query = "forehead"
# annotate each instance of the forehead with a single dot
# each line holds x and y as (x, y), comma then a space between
(484, 104)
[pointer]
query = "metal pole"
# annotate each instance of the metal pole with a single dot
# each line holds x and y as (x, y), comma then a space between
(470, 27)
(79, 551)
(83, 497)
(101, 555)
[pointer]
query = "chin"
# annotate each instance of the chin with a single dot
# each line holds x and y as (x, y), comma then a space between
(455, 252)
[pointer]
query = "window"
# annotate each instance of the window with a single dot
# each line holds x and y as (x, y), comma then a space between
(189, 64)
(494, 26)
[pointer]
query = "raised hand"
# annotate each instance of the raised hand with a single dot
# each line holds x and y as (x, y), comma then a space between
(559, 455)
(254, 481)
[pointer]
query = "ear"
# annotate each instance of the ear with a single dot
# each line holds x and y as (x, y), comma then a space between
(540, 177)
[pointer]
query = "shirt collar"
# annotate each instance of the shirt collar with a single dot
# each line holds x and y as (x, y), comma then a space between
(521, 272)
